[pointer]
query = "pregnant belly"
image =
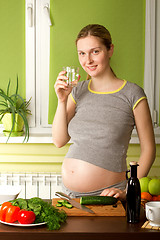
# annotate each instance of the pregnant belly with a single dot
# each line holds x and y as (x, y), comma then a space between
(81, 176)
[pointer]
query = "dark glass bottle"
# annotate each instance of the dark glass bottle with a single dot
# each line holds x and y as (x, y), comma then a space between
(133, 195)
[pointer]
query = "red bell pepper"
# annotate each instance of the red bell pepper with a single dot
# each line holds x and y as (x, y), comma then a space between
(3, 210)
(12, 214)
(8, 213)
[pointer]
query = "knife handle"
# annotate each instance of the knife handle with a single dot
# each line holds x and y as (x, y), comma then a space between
(63, 195)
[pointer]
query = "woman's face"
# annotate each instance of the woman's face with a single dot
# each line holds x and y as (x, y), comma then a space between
(93, 56)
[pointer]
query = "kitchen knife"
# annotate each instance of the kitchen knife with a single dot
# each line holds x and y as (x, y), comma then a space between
(73, 202)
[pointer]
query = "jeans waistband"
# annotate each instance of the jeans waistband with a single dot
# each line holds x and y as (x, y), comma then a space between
(73, 194)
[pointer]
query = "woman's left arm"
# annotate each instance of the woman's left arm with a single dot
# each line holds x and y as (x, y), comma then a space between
(145, 133)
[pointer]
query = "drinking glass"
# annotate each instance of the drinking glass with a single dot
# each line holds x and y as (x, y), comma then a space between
(73, 75)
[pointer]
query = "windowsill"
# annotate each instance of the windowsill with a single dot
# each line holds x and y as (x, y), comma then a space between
(42, 137)
(34, 138)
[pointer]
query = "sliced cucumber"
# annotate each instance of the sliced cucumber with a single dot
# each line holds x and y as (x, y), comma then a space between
(68, 205)
(61, 201)
(64, 203)
(98, 200)
(59, 205)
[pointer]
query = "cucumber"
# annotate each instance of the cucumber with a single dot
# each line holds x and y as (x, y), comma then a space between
(68, 205)
(64, 203)
(98, 200)
(60, 201)
(59, 205)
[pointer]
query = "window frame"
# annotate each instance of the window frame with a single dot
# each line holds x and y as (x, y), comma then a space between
(37, 64)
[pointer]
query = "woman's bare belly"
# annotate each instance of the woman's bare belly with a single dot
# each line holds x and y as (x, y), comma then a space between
(81, 176)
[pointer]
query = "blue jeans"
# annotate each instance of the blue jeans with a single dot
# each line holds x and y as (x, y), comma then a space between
(73, 194)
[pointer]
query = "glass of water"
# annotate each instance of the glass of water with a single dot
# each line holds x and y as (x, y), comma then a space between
(73, 75)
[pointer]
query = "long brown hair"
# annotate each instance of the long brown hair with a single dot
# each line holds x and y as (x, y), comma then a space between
(99, 31)
(96, 30)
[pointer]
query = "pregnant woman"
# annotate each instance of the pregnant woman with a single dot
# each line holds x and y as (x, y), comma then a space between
(98, 116)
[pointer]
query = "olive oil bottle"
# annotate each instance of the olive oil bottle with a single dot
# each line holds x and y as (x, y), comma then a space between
(133, 195)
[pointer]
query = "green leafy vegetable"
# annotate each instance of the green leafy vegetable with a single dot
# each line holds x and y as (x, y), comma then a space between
(44, 211)
(20, 202)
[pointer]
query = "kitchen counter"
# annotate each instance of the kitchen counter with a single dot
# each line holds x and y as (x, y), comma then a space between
(78, 228)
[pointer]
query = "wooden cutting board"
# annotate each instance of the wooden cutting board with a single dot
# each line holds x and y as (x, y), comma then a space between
(100, 210)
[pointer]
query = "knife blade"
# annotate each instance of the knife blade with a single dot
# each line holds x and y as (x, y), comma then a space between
(73, 202)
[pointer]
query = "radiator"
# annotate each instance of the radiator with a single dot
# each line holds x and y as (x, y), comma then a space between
(43, 185)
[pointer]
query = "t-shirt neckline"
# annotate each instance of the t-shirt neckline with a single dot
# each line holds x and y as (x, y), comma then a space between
(117, 90)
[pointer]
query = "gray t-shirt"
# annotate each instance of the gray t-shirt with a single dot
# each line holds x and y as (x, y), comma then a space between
(101, 128)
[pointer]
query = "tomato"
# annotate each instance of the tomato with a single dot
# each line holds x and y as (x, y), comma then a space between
(12, 214)
(26, 217)
(3, 210)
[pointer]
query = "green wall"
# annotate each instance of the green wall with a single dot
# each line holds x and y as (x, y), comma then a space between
(12, 44)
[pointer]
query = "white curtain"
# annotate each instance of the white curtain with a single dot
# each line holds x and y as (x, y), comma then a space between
(149, 67)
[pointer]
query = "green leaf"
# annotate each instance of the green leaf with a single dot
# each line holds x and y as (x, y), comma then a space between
(13, 122)
(8, 87)
(17, 86)
(23, 116)
(20, 202)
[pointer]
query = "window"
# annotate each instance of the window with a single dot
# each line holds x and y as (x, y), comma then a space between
(38, 24)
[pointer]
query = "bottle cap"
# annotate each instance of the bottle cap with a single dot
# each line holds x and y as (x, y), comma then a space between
(133, 163)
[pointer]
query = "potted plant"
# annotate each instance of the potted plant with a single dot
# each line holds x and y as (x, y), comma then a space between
(13, 113)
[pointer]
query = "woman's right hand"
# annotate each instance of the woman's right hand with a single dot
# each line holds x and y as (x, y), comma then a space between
(62, 89)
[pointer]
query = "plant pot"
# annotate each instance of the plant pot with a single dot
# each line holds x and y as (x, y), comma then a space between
(7, 123)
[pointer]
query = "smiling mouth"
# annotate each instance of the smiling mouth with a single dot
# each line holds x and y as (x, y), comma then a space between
(92, 68)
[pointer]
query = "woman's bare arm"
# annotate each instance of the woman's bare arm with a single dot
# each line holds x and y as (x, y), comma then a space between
(146, 137)
(65, 111)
